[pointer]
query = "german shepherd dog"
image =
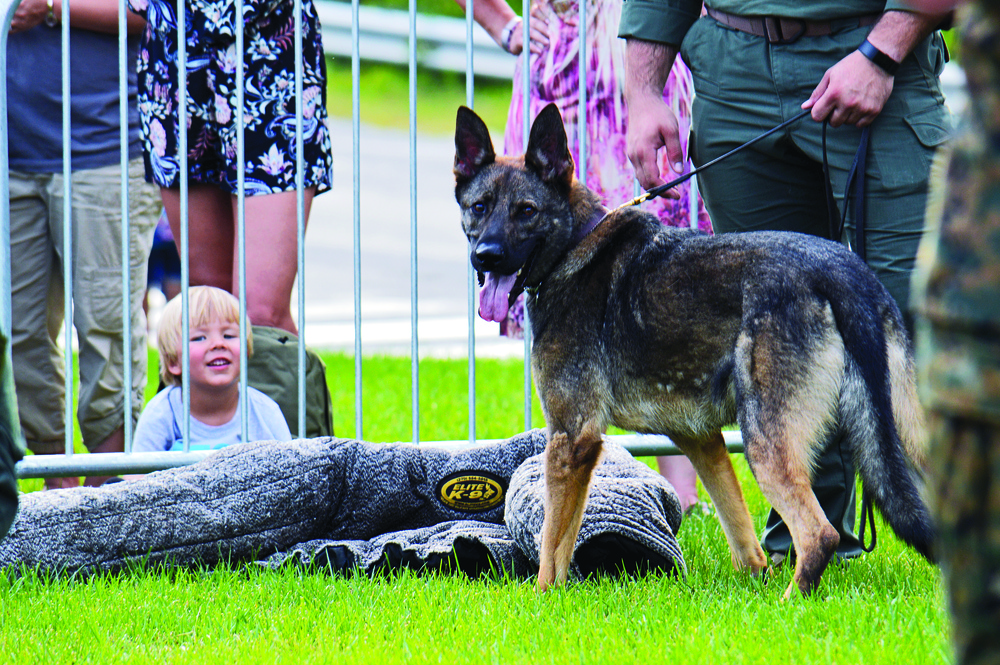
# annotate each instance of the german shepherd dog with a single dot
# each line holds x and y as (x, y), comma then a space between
(671, 331)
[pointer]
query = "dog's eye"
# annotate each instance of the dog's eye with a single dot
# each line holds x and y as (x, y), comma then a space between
(528, 211)
(479, 208)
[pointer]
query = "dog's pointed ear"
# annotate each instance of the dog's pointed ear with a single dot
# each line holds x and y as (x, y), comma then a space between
(473, 146)
(548, 152)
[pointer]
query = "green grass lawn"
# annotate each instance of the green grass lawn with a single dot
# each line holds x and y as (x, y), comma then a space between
(886, 607)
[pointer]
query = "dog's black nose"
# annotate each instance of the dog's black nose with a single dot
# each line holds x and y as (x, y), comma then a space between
(489, 255)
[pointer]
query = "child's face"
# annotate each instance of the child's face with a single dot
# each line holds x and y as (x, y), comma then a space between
(215, 355)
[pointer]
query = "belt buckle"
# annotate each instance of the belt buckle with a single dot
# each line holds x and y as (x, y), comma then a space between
(775, 28)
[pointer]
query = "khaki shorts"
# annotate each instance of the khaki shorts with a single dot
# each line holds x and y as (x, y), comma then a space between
(37, 294)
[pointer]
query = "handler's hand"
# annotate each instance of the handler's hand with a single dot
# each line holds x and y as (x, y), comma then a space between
(853, 91)
(652, 126)
(29, 14)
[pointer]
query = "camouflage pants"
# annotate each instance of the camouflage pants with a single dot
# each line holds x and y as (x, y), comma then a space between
(965, 459)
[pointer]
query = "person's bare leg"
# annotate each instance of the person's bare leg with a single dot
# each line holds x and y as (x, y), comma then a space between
(211, 233)
(115, 443)
(271, 257)
(679, 471)
(61, 483)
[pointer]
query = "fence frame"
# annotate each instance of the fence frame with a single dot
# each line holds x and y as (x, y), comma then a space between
(441, 35)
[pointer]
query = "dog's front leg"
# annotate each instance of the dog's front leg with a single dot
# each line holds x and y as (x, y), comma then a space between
(569, 465)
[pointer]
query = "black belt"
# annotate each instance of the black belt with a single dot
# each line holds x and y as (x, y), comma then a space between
(785, 30)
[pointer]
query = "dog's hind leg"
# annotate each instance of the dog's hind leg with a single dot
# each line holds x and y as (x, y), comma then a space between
(569, 466)
(788, 376)
(712, 462)
(815, 540)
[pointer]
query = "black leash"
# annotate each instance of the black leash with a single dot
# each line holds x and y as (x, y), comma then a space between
(867, 517)
(659, 189)
(855, 181)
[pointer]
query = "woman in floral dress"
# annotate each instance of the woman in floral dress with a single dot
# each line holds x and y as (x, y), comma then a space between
(269, 138)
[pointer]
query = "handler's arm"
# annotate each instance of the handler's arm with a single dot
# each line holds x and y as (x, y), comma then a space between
(651, 123)
(653, 29)
(855, 90)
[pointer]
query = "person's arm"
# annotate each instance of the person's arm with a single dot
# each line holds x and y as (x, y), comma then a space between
(651, 123)
(855, 90)
(496, 15)
(95, 15)
(652, 30)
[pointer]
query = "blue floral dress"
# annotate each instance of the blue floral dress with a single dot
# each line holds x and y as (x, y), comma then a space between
(269, 97)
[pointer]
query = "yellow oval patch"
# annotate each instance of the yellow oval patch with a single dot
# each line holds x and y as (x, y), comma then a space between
(471, 491)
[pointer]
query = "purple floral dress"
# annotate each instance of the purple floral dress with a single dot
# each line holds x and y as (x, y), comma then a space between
(269, 96)
(555, 79)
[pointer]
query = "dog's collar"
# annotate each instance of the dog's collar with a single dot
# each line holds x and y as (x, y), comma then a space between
(596, 219)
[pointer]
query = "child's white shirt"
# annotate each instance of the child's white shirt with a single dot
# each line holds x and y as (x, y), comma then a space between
(160, 426)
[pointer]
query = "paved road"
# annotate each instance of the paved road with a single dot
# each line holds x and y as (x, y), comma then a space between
(442, 276)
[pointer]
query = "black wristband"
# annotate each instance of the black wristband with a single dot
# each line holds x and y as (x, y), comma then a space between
(887, 64)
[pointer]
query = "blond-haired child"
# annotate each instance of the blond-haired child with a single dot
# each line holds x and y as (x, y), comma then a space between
(214, 377)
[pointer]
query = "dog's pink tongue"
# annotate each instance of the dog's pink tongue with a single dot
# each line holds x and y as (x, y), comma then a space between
(493, 303)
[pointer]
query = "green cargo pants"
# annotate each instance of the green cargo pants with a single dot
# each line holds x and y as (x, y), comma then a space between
(744, 86)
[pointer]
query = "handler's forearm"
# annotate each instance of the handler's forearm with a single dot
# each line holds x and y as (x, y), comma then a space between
(897, 33)
(647, 67)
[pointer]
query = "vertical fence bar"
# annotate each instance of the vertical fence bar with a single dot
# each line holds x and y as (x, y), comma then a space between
(300, 218)
(241, 228)
(470, 101)
(6, 322)
(526, 72)
(526, 118)
(356, 152)
(414, 314)
(182, 159)
(126, 245)
(68, 259)
(581, 125)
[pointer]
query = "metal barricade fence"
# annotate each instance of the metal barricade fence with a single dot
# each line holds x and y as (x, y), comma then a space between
(71, 464)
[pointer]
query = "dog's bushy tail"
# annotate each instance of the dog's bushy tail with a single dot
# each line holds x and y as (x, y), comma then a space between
(882, 417)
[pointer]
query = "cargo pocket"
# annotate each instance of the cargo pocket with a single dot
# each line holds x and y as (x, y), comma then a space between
(903, 152)
(99, 297)
(931, 126)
